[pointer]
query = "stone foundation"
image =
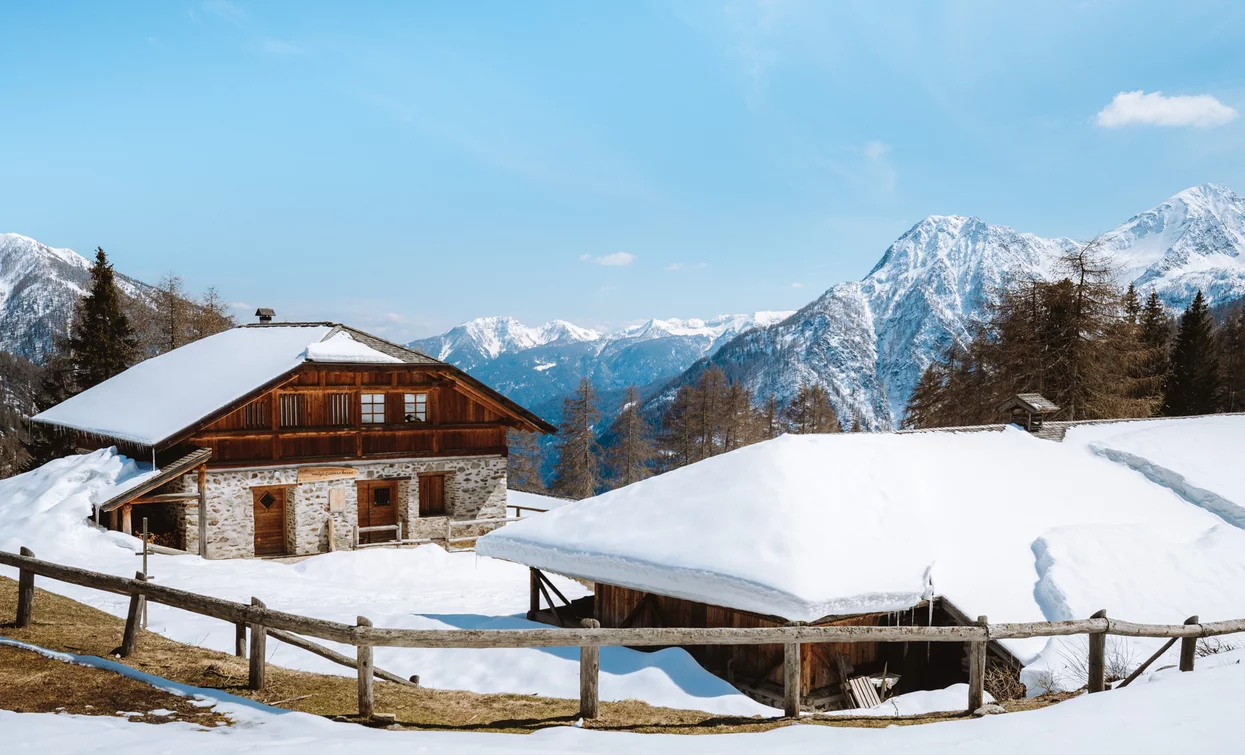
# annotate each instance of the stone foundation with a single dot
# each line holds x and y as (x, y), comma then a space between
(475, 488)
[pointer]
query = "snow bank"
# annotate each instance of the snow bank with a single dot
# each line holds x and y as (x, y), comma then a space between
(917, 703)
(420, 588)
(534, 500)
(1001, 524)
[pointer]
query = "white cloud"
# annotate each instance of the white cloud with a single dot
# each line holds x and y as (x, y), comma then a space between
(1154, 109)
(675, 267)
(797, 285)
(617, 259)
(876, 150)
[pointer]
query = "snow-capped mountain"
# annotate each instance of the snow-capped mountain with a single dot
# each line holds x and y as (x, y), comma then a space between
(537, 366)
(38, 288)
(867, 342)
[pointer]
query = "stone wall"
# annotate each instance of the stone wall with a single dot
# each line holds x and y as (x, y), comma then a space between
(475, 489)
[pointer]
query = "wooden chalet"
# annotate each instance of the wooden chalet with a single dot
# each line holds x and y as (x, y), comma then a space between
(288, 438)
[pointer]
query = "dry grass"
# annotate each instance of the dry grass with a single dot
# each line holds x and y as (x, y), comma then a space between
(63, 624)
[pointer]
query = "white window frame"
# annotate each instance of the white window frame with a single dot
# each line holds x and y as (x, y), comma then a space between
(372, 408)
(415, 407)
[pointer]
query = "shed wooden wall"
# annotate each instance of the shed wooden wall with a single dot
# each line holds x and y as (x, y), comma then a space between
(920, 665)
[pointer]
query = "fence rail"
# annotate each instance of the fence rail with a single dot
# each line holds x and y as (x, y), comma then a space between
(264, 622)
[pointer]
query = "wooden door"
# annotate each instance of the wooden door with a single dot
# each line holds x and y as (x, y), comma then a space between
(378, 507)
(269, 521)
(432, 495)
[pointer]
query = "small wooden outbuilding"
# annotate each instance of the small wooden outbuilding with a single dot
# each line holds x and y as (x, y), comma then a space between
(1028, 410)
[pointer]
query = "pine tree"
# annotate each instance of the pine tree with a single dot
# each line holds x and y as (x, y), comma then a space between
(710, 411)
(810, 411)
(925, 404)
(677, 441)
(739, 418)
(770, 419)
(631, 454)
(1231, 346)
(577, 473)
(1154, 334)
(1193, 387)
(172, 314)
(524, 462)
(101, 342)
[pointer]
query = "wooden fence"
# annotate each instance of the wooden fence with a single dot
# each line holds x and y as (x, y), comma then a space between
(589, 638)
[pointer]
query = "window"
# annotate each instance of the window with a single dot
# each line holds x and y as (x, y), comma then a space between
(339, 409)
(373, 408)
(292, 414)
(255, 414)
(415, 407)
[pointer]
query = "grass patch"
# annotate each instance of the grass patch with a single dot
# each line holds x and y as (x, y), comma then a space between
(66, 625)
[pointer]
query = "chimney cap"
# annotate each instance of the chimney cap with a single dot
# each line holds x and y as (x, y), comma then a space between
(265, 314)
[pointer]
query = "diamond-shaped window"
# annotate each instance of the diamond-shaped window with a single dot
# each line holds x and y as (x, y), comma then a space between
(267, 500)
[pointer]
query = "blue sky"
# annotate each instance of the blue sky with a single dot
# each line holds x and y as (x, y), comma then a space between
(406, 166)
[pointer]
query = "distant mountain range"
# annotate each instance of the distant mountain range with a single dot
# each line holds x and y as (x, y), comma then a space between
(38, 288)
(537, 366)
(866, 341)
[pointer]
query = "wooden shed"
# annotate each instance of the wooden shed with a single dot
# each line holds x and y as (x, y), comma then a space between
(1028, 410)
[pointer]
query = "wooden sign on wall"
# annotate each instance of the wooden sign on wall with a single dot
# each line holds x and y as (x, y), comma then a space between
(337, 500)
(323, 474)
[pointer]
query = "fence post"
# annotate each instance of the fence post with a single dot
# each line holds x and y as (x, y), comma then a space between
(129, 640)
(239, 640)
(25, 592)
(449, 532)
(367, 702)
(976, 669)
(1188, 647)
(589, 675)
(259, 638)
(791, 679)
(1097, 667)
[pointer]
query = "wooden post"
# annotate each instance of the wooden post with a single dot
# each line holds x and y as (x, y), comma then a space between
(589, 675)
(449, 533)
(977, 658)
(146, 544)
(1098, 657)
(791, 679)
(201, 480)
(127, 519)
(1188, 648)
(259, 643)
(332, 534)
(239, 640)
(367, 702)
(533, 598)
(133, 618)
(25, 593)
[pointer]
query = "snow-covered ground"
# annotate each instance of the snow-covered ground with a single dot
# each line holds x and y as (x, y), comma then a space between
(421, 588)
(1164, 713)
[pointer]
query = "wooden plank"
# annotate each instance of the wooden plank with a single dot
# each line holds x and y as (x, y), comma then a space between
(133, 617)
(1142, 668)
(334, 656)
(589, 675)
(25, 593)
(127, 519)
(367, 699)
(239, 639)
(533, 594)
(201, 483)
(791, 679)
(1097, 665)
(976, 670)
(259, 651)
(1188, 647)
(165, 498)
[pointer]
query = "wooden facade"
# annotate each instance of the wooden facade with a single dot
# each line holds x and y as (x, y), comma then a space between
(757, 669)
(318, 413)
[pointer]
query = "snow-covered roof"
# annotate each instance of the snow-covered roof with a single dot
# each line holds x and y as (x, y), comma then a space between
(160, 397)
(804, 527)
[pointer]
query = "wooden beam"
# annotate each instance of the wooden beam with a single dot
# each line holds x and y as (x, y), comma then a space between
(1142, 668)
(334, 656)
(165, 498)
(367, 700)
(25, 593)
(127, 519)
(1097, 665)
(791, 679)
(1188, 647)
(259, 649)
(129, 641)
(201, 483)
(976, 670)
(589, 675)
